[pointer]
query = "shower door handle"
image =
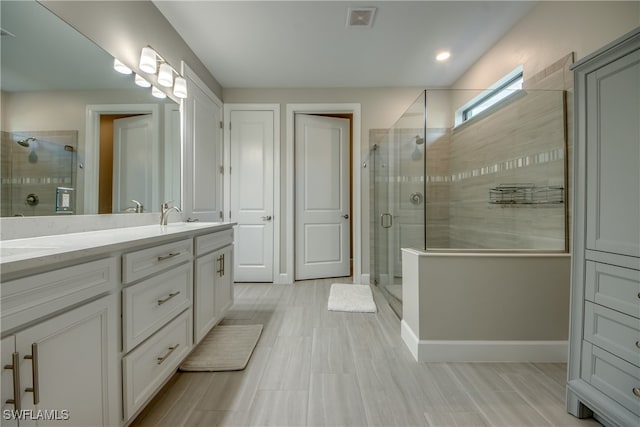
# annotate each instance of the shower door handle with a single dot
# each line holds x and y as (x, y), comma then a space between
(388, 223)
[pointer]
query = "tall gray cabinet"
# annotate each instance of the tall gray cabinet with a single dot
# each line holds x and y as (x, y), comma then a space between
(604, 351)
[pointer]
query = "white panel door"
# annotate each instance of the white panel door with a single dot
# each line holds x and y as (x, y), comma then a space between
(251, 198)
(135, 160)
(322, 197)
(202, 181)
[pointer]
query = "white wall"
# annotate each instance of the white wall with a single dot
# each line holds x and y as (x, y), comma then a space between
(548, 32)
(123, 28)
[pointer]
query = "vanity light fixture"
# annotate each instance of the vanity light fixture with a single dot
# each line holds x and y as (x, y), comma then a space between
(141, 81)
(165, 75)
(180, 87)
(120, 67)
(157, 93)
(151, 61)
(148, 60)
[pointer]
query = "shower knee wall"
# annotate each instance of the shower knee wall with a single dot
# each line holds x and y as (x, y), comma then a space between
(486, 306)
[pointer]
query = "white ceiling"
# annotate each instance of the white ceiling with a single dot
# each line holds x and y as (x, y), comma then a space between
(278, 44)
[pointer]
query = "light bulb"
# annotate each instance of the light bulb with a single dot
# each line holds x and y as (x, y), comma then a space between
(148, 60)
(165, 75)
(120, 67)
(443, 56)
(157, 93)
(180, 87)
(141, 81)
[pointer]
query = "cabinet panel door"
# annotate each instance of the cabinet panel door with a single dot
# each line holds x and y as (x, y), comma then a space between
(613, 157)
(202, 182)
(224, 283)
(76, 364)
(8, 345)
(206, 273)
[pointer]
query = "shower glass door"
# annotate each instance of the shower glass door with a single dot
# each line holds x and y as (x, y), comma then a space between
(398, 198)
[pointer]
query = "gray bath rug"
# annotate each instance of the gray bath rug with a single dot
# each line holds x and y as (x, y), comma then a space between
(352, 298)
(225, 348)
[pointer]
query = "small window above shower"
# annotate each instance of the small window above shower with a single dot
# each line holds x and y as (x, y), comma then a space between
(500, 90)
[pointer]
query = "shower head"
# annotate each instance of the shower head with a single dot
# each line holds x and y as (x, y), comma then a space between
(25, 142)
(419, 140)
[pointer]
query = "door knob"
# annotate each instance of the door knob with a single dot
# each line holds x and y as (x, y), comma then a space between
(346, 216)
(266, 218)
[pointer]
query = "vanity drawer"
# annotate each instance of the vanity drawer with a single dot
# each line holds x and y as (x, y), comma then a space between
(146, 368)
(30, 298)
(612, 376)
(613, 331)
(614, 287)
(139, 264)
(148, 305)
(210, 242)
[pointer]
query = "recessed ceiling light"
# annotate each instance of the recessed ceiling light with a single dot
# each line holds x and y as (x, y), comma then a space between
(443, 56)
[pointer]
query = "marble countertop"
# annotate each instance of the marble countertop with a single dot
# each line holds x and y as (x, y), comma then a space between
(20, 256)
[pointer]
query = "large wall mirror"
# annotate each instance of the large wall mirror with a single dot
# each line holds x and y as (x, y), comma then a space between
(78, 137)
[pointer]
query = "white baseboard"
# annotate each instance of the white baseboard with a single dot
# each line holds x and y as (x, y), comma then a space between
(483, 351)
(282, 279)
(365, 279)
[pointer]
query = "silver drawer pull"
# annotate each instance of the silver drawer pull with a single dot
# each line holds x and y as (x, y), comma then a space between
(636, 391)
(171, 255)
(163, 358)
(163, 300)
(34, 372)
(15, 366)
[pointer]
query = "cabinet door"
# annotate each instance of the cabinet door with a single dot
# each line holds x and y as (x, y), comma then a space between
(207, 270)
(9, 381)
(224, 282)
(613, 157)
(71, 363)
(202, 181)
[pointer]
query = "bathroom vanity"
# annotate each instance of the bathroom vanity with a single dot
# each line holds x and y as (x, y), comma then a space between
(94, 323)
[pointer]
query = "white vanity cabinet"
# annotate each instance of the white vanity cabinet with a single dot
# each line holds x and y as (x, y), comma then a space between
(213, 285)
(156, 318)
(604, 352)
(63, 358)
(93, 324)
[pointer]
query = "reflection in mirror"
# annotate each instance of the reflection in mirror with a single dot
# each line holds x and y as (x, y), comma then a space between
(78, 137)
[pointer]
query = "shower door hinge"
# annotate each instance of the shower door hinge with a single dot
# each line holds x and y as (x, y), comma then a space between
(221, 216)
(229, 214)
(222, 169)
(221, 125)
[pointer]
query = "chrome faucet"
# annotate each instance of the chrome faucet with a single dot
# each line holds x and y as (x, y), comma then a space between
(138, 208)
(165, 209)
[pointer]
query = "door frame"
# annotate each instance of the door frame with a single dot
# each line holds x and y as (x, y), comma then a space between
(356, 230)
(92, 145)
(226, 161)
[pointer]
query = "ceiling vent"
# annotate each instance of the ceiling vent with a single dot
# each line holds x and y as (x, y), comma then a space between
(360, 17)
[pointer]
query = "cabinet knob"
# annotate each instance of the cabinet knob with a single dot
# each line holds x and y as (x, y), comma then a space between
(638, 344)
(636, 391)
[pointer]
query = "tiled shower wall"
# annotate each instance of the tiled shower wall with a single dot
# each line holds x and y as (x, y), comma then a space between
(521, 143)
(48, 163)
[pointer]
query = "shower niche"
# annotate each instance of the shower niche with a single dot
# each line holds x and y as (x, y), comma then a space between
(38, 173)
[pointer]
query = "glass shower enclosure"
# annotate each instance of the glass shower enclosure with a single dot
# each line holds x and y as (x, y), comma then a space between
(495, 182)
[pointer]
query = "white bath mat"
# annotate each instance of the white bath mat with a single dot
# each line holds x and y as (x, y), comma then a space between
(352, 298)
